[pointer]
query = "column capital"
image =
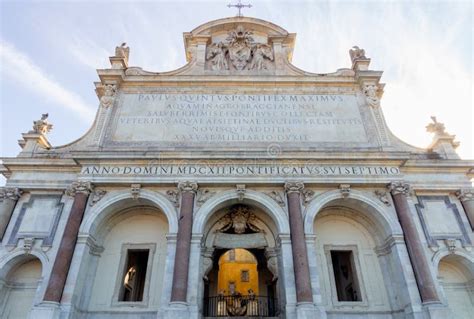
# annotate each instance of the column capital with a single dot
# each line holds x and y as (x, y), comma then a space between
(188, 187)
(466, 194)
(293, 187)
(399, 187)
(79, 187)
(12, 193)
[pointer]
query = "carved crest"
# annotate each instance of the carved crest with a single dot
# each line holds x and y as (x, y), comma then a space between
(240, 47)
(239, 52)
(239, 219)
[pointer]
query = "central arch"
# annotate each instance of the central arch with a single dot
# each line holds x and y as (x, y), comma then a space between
(272, 220)
(260, 200)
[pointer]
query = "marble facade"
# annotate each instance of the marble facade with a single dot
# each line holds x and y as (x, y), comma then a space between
(169, 153)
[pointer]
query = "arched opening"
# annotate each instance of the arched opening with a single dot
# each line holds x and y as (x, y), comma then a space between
(19, 289)
(241, 271)
(129, 262)
(349, 259)
(237, 273)
(456, 277)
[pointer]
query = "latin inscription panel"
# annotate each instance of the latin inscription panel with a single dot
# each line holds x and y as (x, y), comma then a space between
(226, 120)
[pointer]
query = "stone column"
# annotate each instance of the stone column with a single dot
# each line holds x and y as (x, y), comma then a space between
(80, 191)
(421, 268)
(8, 199)
(183, 242)
(466, 196)
(298, 244)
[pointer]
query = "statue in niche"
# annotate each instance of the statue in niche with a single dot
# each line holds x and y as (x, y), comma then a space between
(217, 55)
(261, 53)
(239, 219)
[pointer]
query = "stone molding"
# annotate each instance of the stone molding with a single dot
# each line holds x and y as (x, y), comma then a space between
(79, 187)
(13, 193)
(188, 187)
(399, 187)
(465, 195)
(47, 237)
(294, 187)
(450, 207)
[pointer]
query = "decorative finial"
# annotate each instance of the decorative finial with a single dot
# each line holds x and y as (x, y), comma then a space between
(357, 53)
(122, 51)
(239, 6)
(42, 126)
(436, 127)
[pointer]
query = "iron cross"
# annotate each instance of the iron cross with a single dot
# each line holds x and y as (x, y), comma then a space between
(239, 6)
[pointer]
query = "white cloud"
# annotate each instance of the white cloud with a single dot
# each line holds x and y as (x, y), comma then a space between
(19, 66)
(89, 52)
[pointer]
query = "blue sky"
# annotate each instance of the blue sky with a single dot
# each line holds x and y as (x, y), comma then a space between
(49, 51)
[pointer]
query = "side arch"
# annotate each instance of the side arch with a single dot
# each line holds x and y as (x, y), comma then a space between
(358, 201)
(114, 200)
(266, 203)
(19, 256)
(443, 252)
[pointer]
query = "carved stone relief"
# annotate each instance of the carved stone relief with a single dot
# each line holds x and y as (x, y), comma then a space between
(345, 190)
(108, 98)
(202, 196)
(371, 95)
(239, 219)
(277, 197)
(173, 196)
(383, 196)
(135, 190)
(96, 196)
(239, 52)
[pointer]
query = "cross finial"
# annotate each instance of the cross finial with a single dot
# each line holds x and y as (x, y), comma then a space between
(239, 6)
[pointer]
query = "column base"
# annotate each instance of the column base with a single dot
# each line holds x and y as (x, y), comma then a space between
(308, 310)
(45, 310)
(436, 310)
(175, 309)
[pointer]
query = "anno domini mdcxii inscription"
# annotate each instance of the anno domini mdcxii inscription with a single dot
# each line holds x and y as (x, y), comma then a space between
(243, 119)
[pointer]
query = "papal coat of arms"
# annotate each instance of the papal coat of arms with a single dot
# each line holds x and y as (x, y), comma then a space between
(239, 51)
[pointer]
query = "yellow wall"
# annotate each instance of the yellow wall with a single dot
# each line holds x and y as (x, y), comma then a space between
(231, 271)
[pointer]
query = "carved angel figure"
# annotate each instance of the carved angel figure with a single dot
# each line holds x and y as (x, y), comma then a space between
(357, 53)
(261, 52)
(42, 126)
(216, 53)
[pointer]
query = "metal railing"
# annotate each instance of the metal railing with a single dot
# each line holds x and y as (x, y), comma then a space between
(240, 306)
